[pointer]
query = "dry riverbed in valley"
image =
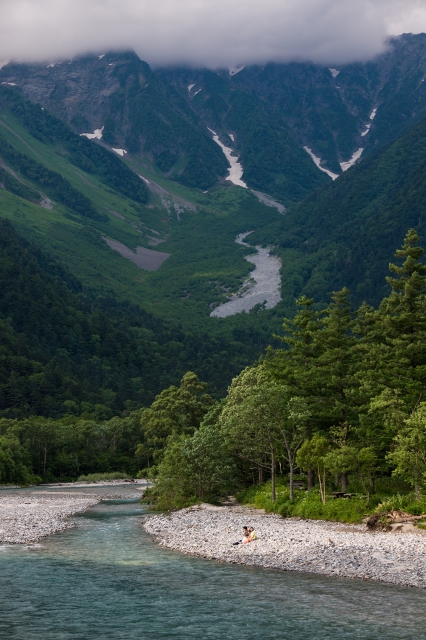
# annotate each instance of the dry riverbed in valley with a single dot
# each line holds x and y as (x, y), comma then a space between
(310, 546)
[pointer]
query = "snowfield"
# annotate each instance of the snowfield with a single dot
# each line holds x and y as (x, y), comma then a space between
(236, 171)
(318, 161)
(347, 165)
(97, 134)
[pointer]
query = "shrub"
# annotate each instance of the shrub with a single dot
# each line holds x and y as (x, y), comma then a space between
(99, 477)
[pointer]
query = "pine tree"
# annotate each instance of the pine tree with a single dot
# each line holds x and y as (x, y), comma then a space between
(396, 357)
(320, 361)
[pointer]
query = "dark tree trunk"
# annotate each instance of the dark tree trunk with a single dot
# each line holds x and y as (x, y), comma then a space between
(291, 482)
(260, 468)
(311, 479)
(344, 481)
(273, 477)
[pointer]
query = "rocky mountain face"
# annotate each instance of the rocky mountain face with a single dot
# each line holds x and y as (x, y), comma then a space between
(116, 98)
(332, 112)
(294, 126)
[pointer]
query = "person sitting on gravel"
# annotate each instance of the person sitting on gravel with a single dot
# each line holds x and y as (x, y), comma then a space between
(245, 535)
(252, 534)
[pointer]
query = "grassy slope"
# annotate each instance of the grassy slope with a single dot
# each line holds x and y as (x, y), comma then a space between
(203, 259)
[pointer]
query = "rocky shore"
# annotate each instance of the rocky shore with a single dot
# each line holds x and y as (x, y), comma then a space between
(309, 546)
(27, 517)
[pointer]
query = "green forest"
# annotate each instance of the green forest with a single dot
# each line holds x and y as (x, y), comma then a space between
(339, 406)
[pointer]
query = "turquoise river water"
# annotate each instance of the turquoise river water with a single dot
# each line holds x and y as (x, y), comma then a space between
(106, 579)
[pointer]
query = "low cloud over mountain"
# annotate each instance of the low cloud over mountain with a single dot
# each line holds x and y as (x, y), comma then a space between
(206, 32)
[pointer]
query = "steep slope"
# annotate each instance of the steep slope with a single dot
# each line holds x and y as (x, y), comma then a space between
(134, 109)
(334, 113)
(62, 352)
(344, 234)
(175, 255)
(118, 95)
(272, 159)
(283, 119)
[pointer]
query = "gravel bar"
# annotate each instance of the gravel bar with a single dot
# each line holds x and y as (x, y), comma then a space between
(27, 517)
(310, 546)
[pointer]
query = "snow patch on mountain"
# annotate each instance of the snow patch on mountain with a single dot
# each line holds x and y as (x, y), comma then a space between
(11, 84)
(231, 135)
(318, 161)
(234, 70)
(102, 56)
(120, 152)
(373, 114)
(356, 156)
(334, 72)
(97, 134)
(236, 171)
(3, 64)
(191, 86)
(196, 93)
(367, 129)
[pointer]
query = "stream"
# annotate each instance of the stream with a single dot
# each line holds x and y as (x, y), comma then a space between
(106, 579)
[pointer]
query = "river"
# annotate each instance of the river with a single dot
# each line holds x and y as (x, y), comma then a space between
(107, 580)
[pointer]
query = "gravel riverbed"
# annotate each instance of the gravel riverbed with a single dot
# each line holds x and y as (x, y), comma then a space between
(309, 546)
(27, 516)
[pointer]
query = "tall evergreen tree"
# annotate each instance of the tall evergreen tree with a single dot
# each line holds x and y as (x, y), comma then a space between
(396, 356)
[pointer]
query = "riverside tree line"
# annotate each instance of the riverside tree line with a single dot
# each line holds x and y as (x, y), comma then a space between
(341, 404)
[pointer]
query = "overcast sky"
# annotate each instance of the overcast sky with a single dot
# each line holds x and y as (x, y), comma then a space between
(206, 32)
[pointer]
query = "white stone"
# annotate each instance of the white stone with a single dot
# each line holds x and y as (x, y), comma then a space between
(263, 284)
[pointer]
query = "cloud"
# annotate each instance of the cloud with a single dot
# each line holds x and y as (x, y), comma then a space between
(206, 32)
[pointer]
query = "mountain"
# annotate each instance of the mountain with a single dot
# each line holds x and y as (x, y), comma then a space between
(110, 210)
(119, 95)
(126, 231)
(278, 118)
(343, 235)
(332, 112)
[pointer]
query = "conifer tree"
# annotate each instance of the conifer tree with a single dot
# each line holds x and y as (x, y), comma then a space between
(396, 356)
(320, 360)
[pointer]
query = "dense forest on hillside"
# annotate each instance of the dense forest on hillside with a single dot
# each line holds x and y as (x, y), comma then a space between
(64, 353)
(340, 235)
(82, 152)
(343, 402)
(339, 407)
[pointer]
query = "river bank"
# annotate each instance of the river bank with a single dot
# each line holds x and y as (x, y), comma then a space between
(26, 516)
(308, 546)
